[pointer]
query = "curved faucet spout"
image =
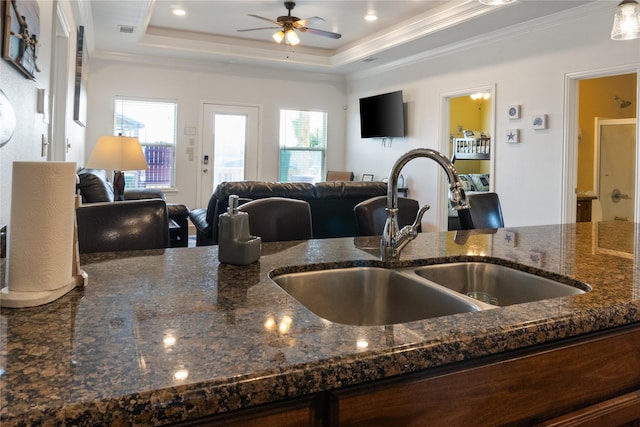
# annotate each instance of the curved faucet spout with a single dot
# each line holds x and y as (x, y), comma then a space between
(393, 240)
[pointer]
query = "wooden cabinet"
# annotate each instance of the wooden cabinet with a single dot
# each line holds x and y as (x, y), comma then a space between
(588, 381)
(525, 388)
(583, 210)
(306, 411)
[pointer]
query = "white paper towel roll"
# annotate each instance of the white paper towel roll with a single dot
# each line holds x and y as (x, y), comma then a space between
(40, 233)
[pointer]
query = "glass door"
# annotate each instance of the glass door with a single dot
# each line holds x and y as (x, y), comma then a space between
(230, 146)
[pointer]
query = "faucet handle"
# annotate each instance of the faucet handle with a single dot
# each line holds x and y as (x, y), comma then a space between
(421, 213)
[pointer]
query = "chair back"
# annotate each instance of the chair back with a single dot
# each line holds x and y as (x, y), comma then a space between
(277, 219)
(371, 214)
(484, 212)
(339, 176)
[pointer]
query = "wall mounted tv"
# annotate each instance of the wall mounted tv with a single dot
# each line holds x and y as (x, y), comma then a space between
(382, 116)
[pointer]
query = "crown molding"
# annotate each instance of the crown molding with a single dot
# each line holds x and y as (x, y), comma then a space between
(550, 21)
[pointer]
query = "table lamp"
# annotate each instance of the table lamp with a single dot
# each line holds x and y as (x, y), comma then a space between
(118, 153)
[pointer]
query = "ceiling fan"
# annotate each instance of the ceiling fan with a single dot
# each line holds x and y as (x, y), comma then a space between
(287, 24)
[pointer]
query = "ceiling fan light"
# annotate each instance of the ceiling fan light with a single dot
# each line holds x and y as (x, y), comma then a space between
(292, 38)
(626, 22)
(496, 2)
(278, 36)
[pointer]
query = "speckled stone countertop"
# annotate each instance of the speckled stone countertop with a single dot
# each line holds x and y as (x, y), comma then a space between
(170, 335)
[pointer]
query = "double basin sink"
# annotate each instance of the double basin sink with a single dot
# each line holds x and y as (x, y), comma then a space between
(368, 296)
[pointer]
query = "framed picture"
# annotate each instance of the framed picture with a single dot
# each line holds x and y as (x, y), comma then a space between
(21, 25)
(367, 177)
(80, 89)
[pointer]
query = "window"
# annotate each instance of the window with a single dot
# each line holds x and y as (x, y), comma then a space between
(303, 142)
(154, 123)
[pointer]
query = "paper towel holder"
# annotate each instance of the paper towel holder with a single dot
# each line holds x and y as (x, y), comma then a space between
(31, 285)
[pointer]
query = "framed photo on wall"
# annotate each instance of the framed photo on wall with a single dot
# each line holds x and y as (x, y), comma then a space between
(80, 89)
(21, 35)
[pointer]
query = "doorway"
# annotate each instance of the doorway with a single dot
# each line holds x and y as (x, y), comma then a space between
(469, 117)
(615, 153)
(229, 146)
(612, 94)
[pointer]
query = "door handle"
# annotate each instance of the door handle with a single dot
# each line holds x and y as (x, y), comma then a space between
(616, 196)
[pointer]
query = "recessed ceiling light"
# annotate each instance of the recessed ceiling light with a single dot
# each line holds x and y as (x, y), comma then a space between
(371, 17)
(179, 12)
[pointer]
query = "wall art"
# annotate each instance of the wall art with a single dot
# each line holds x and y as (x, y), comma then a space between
(513, 112)
(21, 38)
(539, 121)
(80, 89)
(513, 136)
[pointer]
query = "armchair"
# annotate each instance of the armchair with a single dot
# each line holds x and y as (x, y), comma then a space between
(123, 226)
(95, 188)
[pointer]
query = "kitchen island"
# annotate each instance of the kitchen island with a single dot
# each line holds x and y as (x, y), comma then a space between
(172, 336)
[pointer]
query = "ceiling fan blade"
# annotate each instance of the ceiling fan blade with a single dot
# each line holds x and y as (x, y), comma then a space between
(266, 19)
(320, 32)
(308, 21)
(262, 28)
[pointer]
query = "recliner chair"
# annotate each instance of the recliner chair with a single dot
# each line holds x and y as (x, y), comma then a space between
(95, 188)
(277, 219)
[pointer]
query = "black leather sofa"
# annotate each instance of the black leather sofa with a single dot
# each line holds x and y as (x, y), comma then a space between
(95, 188)
(331, 203)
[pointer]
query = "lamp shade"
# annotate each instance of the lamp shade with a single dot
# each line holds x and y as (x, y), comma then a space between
(118, 153)
(278, 37)
(626, 23)
(292, 37)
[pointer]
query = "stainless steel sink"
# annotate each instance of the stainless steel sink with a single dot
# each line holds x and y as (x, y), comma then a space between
(495, 284)
(369, 296)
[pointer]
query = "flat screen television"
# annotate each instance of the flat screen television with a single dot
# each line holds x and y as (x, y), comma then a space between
(382, 116)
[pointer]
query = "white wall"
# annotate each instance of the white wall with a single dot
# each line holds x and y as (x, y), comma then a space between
(528, 69)
(22, 93)
(232, 84)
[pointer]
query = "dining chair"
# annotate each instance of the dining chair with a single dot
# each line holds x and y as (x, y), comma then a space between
(371, 214)
(277, 219)
(484, 212)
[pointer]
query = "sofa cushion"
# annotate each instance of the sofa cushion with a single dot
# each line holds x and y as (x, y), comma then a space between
(353, 189)
(94, 186)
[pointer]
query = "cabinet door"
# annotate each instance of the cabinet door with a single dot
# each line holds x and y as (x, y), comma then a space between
(583, 212)
(306, 411)
(524, 389)
(621, 411)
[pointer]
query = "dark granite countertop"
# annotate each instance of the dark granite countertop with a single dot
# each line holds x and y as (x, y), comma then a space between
(169, 335)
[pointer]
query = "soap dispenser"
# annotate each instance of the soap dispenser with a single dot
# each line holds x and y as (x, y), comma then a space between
(235, 244)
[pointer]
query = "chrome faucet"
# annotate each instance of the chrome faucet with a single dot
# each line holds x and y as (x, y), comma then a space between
(393, 239)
